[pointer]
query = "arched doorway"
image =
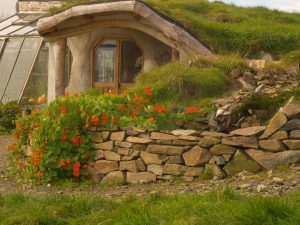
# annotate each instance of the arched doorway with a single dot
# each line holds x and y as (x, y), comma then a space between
(116, 63)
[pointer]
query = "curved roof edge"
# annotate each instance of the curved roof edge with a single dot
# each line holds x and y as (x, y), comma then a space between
(170, 28)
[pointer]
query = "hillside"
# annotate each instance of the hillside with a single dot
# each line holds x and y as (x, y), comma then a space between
(230, 29)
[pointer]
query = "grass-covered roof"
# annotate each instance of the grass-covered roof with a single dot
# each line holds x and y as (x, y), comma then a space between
(231, 29)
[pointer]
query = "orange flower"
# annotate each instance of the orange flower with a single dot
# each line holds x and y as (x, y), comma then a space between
(63, 110)
(148, 91)
(160, 109)
(193, 110)
(114, 120)
(39, 174)
(76, 141)
(67, 94)
(16, 136)
(76, 95)
(12, 147)
(104, 116)
(95, 120)
(21, 165)
(18, 125)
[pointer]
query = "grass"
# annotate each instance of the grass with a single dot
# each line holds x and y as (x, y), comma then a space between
(219, 207)
(230, 29)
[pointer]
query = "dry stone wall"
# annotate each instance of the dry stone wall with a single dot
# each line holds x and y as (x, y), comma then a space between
(37, 6)
(141, 156)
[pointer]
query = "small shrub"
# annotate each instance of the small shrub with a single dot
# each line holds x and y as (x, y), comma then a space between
(9, 112)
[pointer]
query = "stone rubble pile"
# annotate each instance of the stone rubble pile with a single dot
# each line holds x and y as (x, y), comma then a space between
(141, 156)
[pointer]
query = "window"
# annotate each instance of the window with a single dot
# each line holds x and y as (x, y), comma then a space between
(117, 62)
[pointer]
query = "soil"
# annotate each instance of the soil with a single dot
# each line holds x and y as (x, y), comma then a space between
(265, 183)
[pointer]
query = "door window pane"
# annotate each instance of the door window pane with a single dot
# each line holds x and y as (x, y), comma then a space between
(105, 61)
(21, 70)
(131, 61)
(7, 61)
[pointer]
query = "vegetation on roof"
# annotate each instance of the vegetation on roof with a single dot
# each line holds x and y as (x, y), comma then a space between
(228, 28)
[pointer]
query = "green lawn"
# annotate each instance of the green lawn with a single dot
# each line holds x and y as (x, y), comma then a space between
(222, 207)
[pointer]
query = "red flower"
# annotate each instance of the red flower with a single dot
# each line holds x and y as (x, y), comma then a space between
(76, 169)
(122, 107)
(95, 120)
(63, 110)
(21, 165)
(76, 95)
(160, 109)
(110, 92)
(114, 120)
(193, 110)
(104, 116)
(16, 136)
(132, 117)
(63, 137)
(103, 122)
(76, 141)
(148, 91)
(68, 162)
(67, 94)
(12, 147)
(39, 174)
(66, 131)
(138, 107)
(62, 163)
(76, 173)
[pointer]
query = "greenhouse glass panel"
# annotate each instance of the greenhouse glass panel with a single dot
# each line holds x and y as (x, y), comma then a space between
(1, 44)
(37, 84)
(8, 22)
(22, 69)
(7, 61)
(10, 29)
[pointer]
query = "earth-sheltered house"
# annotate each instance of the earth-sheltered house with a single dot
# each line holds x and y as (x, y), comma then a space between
(102, 45)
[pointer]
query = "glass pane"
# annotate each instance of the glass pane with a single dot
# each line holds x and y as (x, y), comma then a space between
(37, 84)
(7, 61)
(10, 29)
(21, 70)
(8, 22)
(105, 61)
(131, 61)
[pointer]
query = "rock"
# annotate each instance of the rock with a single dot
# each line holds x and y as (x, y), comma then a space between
(116, 177)
(126, 158)
(139, 140)
(163, 142)
(246, 85)
(292, 144)
(183, 132)
(187, 179)
(293, 124)
(112, 156)
(241, 162)
(208, 142)
(193, 171)
(128, 166)
(165, 149)
(222, 149)
(278, 180)
(117, 136)
(279, 135)
(134, 153)
(142, 177)
(215, 170)
(95, 137)
(99, 155)
(175, 160)
(275, 124)
(162, 136)
(124, 151)
(123, 144)
(257, 64)
(141, 166)
(291, 109)
(295, 134)
(156, 169)
(227, 157)
(105, 167)
(139, 147)
(271, 161)
(109, 145)
(244, 186)
(173, 169)
(272, 145)
(105, 135)
(249, 131)
(259, 88)
(196, 156)
(189, 138)
(261, 188)
(241, 141)
(219, 160)
(214, 134)
(184, 143)
(150, 158)
(130, 132)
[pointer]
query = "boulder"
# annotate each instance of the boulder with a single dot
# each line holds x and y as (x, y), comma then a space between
(275, 124)
(156, 169)
(112, 156)
(128, 166)
(196, 156)
(109, 145)
(139, 140)
(165, 149)
(293, 124)
(223, 149)
(105, 167)
(208, 142)
(271, 160)
(241, 141)
(249, 131)
(117, 136)
(292, 144)
(142, 177)
(241, 162)
(150, 158)
(291, 109)
(162, 136)
(279, 135)
(116, 177)
(272, 145)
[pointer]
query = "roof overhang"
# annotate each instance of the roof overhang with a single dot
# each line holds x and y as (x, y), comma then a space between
(160, 24)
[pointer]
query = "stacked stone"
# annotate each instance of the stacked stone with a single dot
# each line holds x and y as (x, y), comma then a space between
(141, 156)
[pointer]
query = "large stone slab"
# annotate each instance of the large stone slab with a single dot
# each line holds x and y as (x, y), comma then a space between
(292, 144)
(183, 132)
(249, 131)
(117, 136)
(275, 124)
(179, 170)
(272, 145)
(196, 156)
(241, 162)
(208, 142)
(162, 136)
(291, 109)
(128, 166)
(105, 167)
(295, 134)
(279, 135)
(271, 161)
(95, 137)
(241, 141)
(139, 140)
(109, 145)
(142, 177)
(165, 149)
(150, 158)
(223, 149)
(214, 134)
(116, 177)
(156, 169)
(112, 156)
(293, 124)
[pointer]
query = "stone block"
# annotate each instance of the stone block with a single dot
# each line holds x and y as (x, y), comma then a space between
(117, 136)
(124, 151)
(95, 137)
(165, 149)
(292, 144)
(141, 165)
(219, 160)
(162, 136)
(223, 149)
(272, 145)
(295, 134)
(279, 135)
(241, 141)
(174, 160)
(128, 166)
(196, 156)
(109, 145)
(150, 158)
(123, 144)
(139, 140)
(112, 156)
(140, 178)
(156, 169)
(116, 177)
(184, 143)
(208, 142)
(275, 124)
(105, 167)
(249, 131)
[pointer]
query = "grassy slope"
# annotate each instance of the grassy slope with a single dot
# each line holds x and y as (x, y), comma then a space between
(222, 207)
(230, 29)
